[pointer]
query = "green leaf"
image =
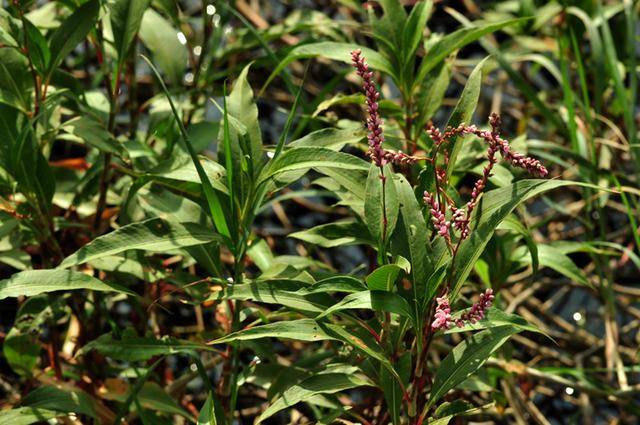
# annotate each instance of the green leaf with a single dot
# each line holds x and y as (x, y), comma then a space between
(447, 411)
(372, 300)
(335, 284)
(272, 292)
(457, 39)
(494, 206)
(182, 169)
(330, 138)
(549, 256)
(34, 282)
(413, 30)
(463, 111)
(21, 346)
(431, 93)
(160, 37)
(53, 398)
(339, 99)
(466, 358)
(301, 329)
(388, 29)
(383, 277)
(215, 207)
(21, 350)
(380, 204)
(211, 413)
(416, 234)
(331, 50)
(94, 134)
(342, 233)
(27, 415)
(326, 383)
(37, 47)
(362, 341)
(132, 348)
(126, 17)
(242, 106)
(304, 158)
(521, 83)
(153, 396)
(494, 318)
(15, 84)
(72, 31)
(154, 235)
(512, 223)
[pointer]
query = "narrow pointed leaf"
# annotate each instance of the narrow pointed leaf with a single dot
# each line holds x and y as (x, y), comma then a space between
(27, 415)
(126, 17)
(457, 39)
(34, 282)
(304, 158)
(332, 50)
(215, 207)
(154, 235)
(301, 329)
(494, 206)
(381, 204)
(372, 300)
(463, 111)
(133, 348)
(272, 293)
(326, 383)
(466, 358)
(72, 31)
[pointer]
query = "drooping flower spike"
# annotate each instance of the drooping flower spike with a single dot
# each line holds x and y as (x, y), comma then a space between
(460, 217)
(442, 317)
(478, 310)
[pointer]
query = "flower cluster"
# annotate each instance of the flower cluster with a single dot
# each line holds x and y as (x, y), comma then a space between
(461, 216)
(477, 310)
(442, 317)
(376, 152)
(437, 216)
(398, 157)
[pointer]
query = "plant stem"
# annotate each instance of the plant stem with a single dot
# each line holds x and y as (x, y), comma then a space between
(235, 326)
(105, 176)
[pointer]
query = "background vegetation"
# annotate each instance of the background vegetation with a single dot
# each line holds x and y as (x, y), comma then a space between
(191, 230)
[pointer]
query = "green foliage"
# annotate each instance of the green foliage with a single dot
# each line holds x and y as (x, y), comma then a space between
(202, 236)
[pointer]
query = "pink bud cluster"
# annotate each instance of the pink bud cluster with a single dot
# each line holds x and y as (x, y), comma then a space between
(376, 152)
(442, 316)
(398, 157)
(478, 309)
(435, 135)
(437, 216)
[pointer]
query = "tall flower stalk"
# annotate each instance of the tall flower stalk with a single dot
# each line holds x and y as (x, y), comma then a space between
(375, 134)
(378, 155)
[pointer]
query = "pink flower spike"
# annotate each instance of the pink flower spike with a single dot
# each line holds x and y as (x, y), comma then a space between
(478, 310)
(374, 122)
(442, 316)
(437, 217)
